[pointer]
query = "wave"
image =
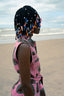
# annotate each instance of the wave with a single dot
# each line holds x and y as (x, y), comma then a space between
(41, 34)
(4, 30)
(7, 35)
(52, 33)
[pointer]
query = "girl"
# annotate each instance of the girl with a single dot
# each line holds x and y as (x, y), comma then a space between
(26, 61)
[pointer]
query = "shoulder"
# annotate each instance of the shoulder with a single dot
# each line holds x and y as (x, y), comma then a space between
(23, 44)
(24, 47)
(23, 50)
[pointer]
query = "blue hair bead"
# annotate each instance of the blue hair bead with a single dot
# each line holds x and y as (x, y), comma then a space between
(39, 24)
(19, 35)
(30, 26)
(33, 24)
(16, 32)
(28, 32)
(25, 27)
(26, 20)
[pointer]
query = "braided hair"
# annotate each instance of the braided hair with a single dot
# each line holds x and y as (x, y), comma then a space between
(25, 20)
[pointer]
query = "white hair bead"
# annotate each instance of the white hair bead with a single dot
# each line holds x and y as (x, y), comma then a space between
(24, 17)
(34, 14)
(25, 8)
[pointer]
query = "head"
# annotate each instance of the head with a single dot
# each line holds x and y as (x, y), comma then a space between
(26, 21)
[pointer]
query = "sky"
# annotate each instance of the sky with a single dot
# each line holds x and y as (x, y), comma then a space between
(51, 12)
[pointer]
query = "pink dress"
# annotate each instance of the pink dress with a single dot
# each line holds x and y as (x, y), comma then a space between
(36, 77)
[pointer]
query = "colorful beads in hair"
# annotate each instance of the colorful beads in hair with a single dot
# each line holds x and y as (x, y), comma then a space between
(29, 30)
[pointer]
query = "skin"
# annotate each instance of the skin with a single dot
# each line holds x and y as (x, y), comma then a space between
(24, 61)
(24, 67)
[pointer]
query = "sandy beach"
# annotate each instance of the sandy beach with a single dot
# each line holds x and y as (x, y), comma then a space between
(51, 53)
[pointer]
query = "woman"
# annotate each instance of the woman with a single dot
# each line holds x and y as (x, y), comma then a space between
(25, 58)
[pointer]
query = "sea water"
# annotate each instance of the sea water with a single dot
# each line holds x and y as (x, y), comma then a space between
(8, 35)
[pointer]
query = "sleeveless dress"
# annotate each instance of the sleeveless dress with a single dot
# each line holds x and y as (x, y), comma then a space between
(36, 77)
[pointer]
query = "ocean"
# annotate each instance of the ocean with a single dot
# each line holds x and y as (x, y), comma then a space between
(8, 35)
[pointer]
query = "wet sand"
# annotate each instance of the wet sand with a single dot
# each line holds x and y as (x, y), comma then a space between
(51, 53)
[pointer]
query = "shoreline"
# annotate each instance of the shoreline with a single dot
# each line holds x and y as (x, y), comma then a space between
(13, 41)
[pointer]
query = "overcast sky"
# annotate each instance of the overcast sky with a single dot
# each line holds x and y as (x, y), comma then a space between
(51, 12)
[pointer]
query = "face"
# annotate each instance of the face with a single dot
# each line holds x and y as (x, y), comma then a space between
(36, 31)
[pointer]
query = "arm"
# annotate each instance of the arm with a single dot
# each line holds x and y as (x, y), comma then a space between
(24, 67)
